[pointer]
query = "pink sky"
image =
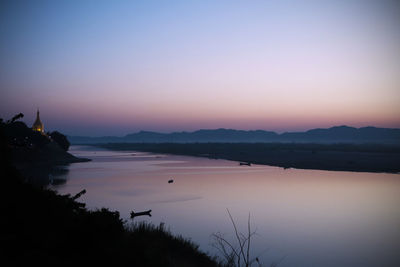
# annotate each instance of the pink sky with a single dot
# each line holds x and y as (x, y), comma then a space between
(115, 68)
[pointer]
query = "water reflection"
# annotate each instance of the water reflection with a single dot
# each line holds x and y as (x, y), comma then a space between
(42, 175)
(58, 175)
(312, 218)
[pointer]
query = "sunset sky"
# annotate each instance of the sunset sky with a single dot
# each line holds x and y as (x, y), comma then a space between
(117, 67)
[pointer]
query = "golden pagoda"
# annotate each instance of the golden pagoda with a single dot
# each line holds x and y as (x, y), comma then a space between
(38, 125)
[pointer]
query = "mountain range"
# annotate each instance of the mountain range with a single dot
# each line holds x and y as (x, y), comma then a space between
(337, 134)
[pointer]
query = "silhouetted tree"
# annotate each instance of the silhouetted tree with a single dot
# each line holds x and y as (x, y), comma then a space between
(60, 139)
(16, 117)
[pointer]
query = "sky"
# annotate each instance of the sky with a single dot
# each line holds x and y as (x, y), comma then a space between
(117, 67)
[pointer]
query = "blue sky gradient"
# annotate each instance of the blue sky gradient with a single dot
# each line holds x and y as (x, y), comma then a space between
(115, 67)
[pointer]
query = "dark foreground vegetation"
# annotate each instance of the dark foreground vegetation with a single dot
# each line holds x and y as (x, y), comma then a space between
(41, 228)
(336, 157)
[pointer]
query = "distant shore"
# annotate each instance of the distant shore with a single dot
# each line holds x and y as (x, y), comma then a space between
(333, 157)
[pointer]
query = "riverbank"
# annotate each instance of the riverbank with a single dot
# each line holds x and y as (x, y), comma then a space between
(43, 228)
(333, 157)
(35, 154)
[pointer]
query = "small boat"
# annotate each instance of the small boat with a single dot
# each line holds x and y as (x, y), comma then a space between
(245, 163)
(170, 181)
(135, 214)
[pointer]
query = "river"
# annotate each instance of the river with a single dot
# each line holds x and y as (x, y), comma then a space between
(301, 217)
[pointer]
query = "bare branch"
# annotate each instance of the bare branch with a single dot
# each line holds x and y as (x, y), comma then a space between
(248, 238)
(237, 236)
(236, 255)
(220, 239)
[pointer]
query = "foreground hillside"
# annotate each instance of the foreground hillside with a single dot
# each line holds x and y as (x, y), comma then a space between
(41, 228)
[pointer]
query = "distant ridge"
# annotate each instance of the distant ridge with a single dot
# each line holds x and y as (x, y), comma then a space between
(337, 134)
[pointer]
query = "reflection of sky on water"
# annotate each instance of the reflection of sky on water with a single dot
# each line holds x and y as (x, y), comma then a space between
(315, 218)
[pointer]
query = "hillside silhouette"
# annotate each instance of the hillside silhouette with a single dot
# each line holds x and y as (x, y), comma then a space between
(41, 228)
(34, 154)
(337, 134)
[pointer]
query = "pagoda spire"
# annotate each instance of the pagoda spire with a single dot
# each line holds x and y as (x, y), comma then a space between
(38, 125)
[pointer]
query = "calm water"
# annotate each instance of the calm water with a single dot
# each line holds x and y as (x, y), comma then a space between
(302, 217)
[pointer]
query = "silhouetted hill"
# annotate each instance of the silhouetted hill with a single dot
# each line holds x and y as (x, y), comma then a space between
(42, 228)
(337, 134)
(346, 134)
(34, 154)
